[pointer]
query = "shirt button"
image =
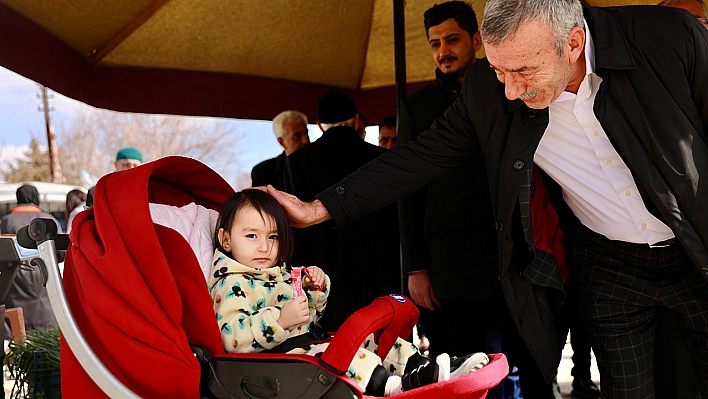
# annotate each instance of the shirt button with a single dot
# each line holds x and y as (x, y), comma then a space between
(609, 163)
(519, 164)
(499, 226)
(532, 113)
(339, 190)
(627, 193)
(596, 133)
(644, 225)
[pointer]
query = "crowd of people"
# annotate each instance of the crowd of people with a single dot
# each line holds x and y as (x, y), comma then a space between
(553, 185)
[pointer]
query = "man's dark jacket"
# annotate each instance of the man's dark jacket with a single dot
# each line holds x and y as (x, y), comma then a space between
(447, 227)
(653, 105)
(271, 171)
(362, 258)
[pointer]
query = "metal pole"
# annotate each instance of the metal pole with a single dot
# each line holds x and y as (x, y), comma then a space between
(54, 167)
(399, 45)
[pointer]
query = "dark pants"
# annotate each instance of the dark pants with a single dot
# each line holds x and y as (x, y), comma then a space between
(621, 287)
(579, 336)
(674, 375)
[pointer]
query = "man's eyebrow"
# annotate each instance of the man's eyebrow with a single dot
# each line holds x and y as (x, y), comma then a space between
(444, 37)
(522, 69)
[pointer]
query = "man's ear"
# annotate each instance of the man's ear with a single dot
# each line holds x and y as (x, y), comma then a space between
(280, 141)
(576, 43)
(224, 240)
(477, 42)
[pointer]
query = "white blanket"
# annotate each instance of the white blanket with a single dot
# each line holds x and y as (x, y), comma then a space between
(195, 223)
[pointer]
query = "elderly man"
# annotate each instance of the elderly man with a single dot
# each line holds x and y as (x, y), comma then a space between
(614, 111)
(290, 128)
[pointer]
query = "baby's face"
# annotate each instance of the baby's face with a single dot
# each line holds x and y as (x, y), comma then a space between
(252, 240)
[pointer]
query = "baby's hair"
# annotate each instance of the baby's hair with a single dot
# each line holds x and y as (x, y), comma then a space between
(266, 205)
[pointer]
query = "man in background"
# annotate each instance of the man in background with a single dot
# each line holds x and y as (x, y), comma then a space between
(387, 132)
(290, 128)
(28, 290)
(128, 158)
(362, 258)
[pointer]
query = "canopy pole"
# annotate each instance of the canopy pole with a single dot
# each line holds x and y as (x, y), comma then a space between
(399, 45)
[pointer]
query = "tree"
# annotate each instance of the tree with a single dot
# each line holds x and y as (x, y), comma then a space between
(88, 145)
(34, 166)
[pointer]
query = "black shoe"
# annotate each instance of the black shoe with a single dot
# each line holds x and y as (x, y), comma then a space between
(428, 373)
(584, 388)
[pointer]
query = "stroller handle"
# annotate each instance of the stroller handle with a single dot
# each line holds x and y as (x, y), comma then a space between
(65, 318)
(388, 317)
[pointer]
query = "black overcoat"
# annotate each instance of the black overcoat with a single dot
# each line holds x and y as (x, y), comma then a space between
(271, 171)
(447, 227)
(653, 105)
(362, 258)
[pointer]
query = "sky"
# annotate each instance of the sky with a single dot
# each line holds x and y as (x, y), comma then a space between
(21, 120)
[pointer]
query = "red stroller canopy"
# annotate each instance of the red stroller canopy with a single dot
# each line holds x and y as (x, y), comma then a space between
(130, 283)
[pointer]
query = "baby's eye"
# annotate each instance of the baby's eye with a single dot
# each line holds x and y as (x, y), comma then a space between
(250, 235)
(273, 237)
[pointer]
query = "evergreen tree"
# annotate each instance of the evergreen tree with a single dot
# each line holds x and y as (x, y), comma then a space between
(33, 167)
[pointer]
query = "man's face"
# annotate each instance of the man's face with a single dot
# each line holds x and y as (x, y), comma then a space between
(387, 137)
(125, 164)
(452, 47)
(295, 138)
(530, 67)
(694, 8)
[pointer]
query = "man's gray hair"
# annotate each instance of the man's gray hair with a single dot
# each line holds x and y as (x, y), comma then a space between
(503, 18)
(286, 117)
(670, 3)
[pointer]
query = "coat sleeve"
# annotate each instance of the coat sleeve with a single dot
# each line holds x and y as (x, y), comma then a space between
(406, 168)
(244, 327)
(698, 71)
(317, 300)
(411, 209)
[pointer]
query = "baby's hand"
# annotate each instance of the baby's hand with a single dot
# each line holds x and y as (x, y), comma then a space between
(294, 312)
(315, 279)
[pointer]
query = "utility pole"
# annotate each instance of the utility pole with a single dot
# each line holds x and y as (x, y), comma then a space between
(54, 167)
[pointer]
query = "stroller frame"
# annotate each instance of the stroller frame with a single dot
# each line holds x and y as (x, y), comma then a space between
(318, 377)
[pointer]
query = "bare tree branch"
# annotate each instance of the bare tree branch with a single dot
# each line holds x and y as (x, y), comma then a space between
(89, 144)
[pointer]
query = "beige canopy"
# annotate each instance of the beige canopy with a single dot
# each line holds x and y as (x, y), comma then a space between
(232, 58)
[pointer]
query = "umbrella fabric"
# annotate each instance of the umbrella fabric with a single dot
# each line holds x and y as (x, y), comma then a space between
(130, 283)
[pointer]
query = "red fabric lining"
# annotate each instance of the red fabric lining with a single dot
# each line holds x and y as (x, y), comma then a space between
(547, 234)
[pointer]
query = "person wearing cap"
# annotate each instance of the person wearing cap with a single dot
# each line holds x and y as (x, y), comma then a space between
(128, 158)
(28, 290)
(362, 258)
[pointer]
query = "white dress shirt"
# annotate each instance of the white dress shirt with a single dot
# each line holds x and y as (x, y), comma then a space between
(597, 185)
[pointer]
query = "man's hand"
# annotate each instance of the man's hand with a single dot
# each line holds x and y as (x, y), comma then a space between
(294, 312)
(300, 214)
(421, 289)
